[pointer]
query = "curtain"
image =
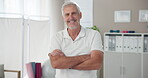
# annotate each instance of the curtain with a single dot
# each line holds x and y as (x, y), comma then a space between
(11, 44)
(36, 41)
(23, 41)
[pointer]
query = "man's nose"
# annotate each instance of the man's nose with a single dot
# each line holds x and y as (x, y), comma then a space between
(71, 16)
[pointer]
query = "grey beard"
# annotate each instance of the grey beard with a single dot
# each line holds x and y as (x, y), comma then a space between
(72, 27)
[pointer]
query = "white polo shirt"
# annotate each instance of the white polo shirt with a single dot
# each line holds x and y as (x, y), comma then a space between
(86, 41)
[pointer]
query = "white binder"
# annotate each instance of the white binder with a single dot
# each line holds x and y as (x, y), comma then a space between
(139, 44)
(113, 43)
(126, 42)
(118, 43)
(106, 41)
(135, 44)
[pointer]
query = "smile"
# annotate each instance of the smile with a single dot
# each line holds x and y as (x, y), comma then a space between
(71, 21)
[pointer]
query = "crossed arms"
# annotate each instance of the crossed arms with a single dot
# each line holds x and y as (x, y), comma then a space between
(92, 61)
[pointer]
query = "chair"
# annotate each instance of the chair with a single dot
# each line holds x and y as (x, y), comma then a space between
(2, 71)
(47, 70)
(16, 71)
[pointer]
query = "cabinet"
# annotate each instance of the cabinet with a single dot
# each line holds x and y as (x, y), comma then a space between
(132, 65)
(145, 65)
(126, 55)
(112, 65)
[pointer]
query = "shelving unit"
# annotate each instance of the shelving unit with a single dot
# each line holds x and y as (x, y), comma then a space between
(125, 55)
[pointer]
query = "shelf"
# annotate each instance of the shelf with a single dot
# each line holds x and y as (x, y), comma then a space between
(124, 52)
(145, 52)
(125, 42)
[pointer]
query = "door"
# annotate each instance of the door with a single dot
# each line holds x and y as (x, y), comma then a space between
(145, 65)
(112, 65)
(132, 65)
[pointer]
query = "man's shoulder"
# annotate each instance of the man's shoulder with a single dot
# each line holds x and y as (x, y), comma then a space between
(90, 31)
(60, 33)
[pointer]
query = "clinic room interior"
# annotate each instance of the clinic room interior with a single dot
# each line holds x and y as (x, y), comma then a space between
(28, 26)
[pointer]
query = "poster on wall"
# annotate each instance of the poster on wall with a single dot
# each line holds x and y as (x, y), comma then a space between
(122, 16)
(143, 15)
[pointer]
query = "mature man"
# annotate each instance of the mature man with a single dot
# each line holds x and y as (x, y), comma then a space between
(76, 52)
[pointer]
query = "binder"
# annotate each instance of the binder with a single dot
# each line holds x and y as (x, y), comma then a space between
(33, 67)
(118, 43)
(124, 43)
(113, 43)
(30, 70)
(146, 44)
(110, 43)
(139, 44)
(131, 44)
(106, 45)
(38, 70)
(135, 44)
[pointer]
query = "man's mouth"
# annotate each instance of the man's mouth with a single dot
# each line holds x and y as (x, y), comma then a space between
(71, 21)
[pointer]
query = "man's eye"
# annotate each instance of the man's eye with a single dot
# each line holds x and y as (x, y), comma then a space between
(74, 13)
(66, 14)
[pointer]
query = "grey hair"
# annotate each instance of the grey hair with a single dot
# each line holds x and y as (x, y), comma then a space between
(70, 3)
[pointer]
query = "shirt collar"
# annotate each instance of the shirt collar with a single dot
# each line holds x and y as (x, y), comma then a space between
(81, 34)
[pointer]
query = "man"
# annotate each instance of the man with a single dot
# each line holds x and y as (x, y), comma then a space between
(75, 52)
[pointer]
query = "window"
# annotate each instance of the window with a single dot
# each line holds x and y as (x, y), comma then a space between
(27, 8)
(1, 5)
(86, 8)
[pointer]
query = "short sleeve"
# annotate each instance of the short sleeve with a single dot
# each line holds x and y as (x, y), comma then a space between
(97, 42)
(54, 43)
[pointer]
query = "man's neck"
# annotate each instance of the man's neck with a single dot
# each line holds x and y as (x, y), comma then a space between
(73, 33)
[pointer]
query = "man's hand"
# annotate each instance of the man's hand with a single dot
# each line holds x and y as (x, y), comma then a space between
(56, 52)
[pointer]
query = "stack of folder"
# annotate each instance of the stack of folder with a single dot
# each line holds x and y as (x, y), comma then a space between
(119, 43)
(132, 44)
(146, 44)
(34, 70)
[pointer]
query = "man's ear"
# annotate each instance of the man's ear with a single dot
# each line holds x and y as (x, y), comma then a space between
(63, 18)
(80, 14)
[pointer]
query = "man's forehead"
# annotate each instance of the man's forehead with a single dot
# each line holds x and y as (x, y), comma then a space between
(70, 10)
(70, 7)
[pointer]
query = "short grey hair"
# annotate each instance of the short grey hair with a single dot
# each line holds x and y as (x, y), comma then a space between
(70, 3)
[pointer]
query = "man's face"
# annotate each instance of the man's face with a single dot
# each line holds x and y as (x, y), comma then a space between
(72, 16)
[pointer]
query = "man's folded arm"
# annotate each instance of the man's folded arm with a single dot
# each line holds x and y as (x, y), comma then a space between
(93, 63)
(60, 61)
